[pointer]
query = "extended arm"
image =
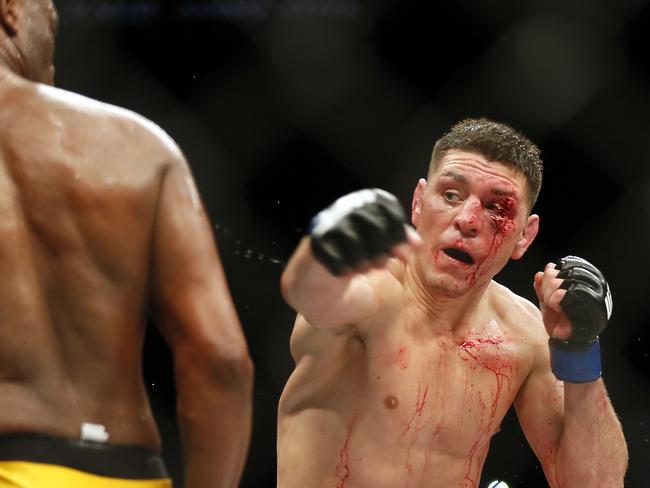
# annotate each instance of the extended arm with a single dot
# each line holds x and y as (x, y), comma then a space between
(195, 313)
(326, 279)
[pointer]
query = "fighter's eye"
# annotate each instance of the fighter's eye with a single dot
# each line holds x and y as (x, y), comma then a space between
(451, 196)
(494, 207)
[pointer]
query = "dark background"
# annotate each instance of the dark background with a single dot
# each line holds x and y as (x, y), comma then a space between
(283, 105)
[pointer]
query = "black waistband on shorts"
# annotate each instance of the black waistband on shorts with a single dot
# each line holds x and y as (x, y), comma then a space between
(112, 460)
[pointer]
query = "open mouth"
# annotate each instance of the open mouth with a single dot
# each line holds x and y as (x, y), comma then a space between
(459, 255)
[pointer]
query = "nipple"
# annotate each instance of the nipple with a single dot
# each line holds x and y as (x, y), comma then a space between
(390, 402)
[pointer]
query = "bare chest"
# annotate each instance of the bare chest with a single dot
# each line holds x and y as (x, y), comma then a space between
(443, 392)
(415, 408)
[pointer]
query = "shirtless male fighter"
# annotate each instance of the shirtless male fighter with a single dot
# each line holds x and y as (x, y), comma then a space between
(408, 354)
(101, 226)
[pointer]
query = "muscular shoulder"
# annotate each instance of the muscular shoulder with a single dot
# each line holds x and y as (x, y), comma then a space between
(522, 317)
(107, 126)
(523, 322)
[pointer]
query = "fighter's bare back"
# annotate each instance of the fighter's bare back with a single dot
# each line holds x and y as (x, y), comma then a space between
(405, 405)
(79, 187)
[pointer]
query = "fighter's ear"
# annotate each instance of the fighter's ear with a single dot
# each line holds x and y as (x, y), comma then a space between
(416, 204)
(8, 16)
(527, 236)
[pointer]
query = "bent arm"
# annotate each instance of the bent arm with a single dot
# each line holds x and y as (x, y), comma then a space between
(588, 446)
(195, 313)
(572, 428)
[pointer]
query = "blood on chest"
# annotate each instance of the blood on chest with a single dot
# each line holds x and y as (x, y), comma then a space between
(416, 407)
(457, 392)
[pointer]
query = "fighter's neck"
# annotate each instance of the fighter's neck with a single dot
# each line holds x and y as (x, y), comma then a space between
(438, 309)
(12, 61)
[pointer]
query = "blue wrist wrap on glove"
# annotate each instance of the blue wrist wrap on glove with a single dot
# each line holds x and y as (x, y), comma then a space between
(575, 365)
(588, 305)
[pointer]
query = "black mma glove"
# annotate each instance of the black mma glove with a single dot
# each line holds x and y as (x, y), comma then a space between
(588, 305)
(356, 229)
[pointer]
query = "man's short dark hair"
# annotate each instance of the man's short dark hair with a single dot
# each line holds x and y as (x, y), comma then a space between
(496, 142)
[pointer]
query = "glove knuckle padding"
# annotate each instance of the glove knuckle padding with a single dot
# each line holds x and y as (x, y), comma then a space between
(585, 302)
(348, 244)
(371, 230)
(588, 305)
(395, 219)
(327, 250)
(356, 228)
(582, 275)
(586, 312)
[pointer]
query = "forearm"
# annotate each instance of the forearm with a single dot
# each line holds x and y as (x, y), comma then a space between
(215, 415)
(592, 450)
(322, 298)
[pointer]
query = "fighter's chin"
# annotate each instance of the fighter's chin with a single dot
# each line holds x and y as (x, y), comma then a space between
(453, 288)
(448, 285)
(450, 279)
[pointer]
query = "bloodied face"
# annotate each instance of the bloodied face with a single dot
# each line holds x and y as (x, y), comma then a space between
(473, 216)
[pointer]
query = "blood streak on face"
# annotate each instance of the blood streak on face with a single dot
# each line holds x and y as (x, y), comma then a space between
(486, 352)
(503, 220)
(497, 240)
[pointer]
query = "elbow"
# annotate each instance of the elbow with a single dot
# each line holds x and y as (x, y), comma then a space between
(623, 459)
(608, 471)
(224, 367)
(233, 369)
(241, 371)
(293, 276)
(286, 285)
(211, 380)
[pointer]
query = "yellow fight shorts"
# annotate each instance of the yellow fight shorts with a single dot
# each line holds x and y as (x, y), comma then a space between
(42, 461)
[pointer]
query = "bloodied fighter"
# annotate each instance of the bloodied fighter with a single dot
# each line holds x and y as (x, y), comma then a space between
(408, 354)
